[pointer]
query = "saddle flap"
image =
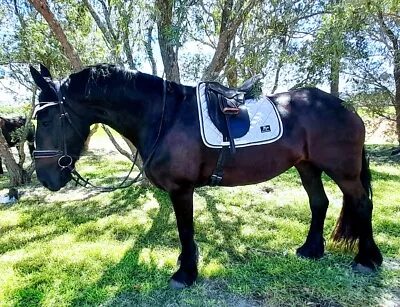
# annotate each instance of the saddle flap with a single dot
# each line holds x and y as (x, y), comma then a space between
(219, 108)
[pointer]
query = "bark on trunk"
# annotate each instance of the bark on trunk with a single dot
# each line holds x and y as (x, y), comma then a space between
(167, 41)
(231, 19)
(91, 132)
(396, 67)
(219, 59)
(16, 174)
(334, 76)
(396, 73)
(231, 72)
(149, 49)
(397, 108)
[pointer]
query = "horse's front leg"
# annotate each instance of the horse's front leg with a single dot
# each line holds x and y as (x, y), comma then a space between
(182, 199)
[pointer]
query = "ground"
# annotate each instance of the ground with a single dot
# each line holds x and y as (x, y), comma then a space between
(82, 247)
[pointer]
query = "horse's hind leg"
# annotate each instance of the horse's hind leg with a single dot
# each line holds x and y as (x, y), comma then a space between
(311, 179)
(1, 167)
(355, 223)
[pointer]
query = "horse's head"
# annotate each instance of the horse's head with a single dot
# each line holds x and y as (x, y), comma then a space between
(62, 129)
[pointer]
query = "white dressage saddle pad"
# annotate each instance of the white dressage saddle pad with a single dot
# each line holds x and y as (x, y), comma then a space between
(265, 123)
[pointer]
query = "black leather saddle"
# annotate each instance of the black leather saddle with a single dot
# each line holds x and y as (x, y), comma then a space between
(227, 109)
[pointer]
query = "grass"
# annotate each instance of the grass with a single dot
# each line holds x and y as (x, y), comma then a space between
(81, 248)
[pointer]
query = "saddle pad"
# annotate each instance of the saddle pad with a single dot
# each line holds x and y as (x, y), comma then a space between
(265, 123)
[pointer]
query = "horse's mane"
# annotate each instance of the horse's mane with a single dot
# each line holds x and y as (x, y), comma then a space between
(110, 83)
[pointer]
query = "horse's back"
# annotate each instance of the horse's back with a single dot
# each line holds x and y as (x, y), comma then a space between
(308, 98)
(332, 131)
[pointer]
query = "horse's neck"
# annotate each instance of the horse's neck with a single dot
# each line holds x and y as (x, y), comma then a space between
(137, 120)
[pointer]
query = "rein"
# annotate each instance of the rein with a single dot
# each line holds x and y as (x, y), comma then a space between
(65, 160)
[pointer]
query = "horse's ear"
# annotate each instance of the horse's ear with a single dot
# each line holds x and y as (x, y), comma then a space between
(38, 78)
(45, 72)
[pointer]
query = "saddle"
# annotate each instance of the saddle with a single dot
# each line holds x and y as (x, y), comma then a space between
(227, 109)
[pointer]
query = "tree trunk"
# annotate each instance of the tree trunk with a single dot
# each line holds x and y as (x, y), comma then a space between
(396, 67)
(231, 19)
(284, 44)
(334, 75)
(43, 8)
(231, 72)
(109, 38)
(167, 40)
(396, 73)
(397, 101)
(92, 131)
(218, 61)
(149, 49)
(17, 174)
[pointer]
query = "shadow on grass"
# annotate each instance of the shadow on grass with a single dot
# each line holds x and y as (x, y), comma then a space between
(254, 274)
(377, 175)
(60, 218)
(382, 154)
(130, 273)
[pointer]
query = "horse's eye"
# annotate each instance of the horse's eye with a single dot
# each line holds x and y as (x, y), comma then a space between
(46, 123)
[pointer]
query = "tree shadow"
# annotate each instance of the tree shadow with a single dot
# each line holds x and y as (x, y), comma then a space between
(140, 281)
(132, 274)
(227, 229)
(62, 218)
(382, 154)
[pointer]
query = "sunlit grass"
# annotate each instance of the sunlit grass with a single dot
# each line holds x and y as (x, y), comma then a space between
(76, 248)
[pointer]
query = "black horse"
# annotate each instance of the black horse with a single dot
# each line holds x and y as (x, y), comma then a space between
(9, 126)
(161, 119)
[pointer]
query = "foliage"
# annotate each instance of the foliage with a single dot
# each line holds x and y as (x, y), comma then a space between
(78, 247)
(348, 45)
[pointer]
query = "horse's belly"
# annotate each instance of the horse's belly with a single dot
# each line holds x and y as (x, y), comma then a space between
(243, 175)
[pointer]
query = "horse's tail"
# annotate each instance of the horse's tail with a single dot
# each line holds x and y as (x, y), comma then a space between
(365, 175)
(347, 230)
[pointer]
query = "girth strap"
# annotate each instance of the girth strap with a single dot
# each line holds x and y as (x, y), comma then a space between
(218, 173)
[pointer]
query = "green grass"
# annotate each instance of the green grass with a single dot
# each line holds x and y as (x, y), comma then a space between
(83, 248)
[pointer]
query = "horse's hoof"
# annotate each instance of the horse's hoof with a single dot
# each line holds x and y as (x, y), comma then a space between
(173, 284)
(309, 254)
(359, 268)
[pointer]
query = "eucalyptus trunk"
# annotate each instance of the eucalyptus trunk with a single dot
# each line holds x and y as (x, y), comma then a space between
(334, 75)
(168, 41)
(17, 175)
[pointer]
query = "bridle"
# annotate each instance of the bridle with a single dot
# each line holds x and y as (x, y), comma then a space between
(65, 160)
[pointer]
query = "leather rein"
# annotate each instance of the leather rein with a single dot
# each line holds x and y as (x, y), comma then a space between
(65, 160)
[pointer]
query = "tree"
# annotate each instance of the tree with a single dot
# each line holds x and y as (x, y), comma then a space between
(18, 175)
(226, 25)
(43, 8)
(168, 39)
(375, 68)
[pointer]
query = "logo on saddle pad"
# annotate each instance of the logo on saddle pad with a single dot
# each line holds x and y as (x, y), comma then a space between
(256, 123)
(266, 128)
